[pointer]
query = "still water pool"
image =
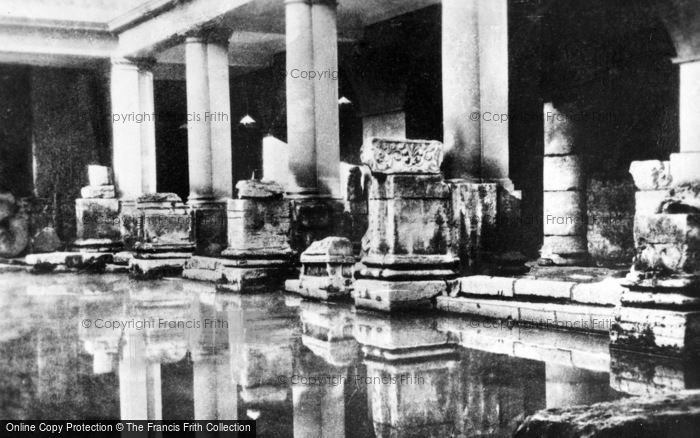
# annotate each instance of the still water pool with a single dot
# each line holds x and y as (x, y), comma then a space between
(107, 347)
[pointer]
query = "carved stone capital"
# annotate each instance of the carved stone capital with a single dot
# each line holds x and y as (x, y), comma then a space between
(390, 156)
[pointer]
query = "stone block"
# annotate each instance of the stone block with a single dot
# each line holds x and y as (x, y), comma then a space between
(485, 285)
(656, 330)
(156, 268)
(684, 168)
(46, 240)
(604, 293)
(165, 223)
(651, 174)
(682, 199)
(650, 202)
(559, 132)
(98, 219)
(409, 226)
(334, 250)
(564, 172)
(388, 296)
(674, 257)
(474, 222)
(659, 299)
(524, 287)
(99, 175)
(564, 213)
(259, 189)
(90, 192)
(390, 156)
(667, 228)
(408, 186)
(257, 226)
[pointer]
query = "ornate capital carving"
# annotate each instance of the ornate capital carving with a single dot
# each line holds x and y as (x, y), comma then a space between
(390, 156)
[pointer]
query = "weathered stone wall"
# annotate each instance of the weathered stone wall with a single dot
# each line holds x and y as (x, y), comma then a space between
(69, 129)
(611, 221)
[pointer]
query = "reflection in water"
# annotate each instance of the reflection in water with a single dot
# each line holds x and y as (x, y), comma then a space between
(105, 347)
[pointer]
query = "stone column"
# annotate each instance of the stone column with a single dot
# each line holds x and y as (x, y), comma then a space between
(564, 184)
(209, 139)
(301, 121)
(139, 381)
(325, 56)
(461, 88)
(493, 77)
(685, 164)
(198, 127)
(148, 127)
(133, 143)
(220, 115)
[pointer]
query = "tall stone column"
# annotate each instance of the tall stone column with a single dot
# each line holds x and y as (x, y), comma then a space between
(220, 115)
(133, 142)
(209, 146)
(685, 164)
(461, 89)
(148, 127)
(301, 119)
(325, 56)
(198, 127)
(564, 184)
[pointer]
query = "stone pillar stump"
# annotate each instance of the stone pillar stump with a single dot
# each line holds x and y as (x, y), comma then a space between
(408, 257)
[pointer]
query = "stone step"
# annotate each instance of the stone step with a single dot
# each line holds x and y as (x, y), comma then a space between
(603, 293)
(541, 315)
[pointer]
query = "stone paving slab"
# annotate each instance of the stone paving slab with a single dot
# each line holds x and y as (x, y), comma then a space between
(603, 293)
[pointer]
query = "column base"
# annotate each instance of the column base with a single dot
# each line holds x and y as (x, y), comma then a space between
(240, 275)
(390, 296)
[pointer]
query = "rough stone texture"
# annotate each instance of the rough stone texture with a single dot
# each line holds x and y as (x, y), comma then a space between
(313, 219)
(155, 268)
(165, 224)
(259, 189)
(90, 192)
(611, 211)
(14, 228)
(474, 219)
(327, 269)
(209, 225)
(656, 330)
(98, 219)
(257, 226)
(669, 415)
(73, 260)
(46, 240)
(391, 156)
(651, 174)
(419, 225)
(682, 199)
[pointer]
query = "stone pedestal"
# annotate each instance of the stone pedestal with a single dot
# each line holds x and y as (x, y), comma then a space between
(659, 309)
(163, 237)
(209, 226)
(408, 257)
(258, 256)
(326, 271)
(98, 225)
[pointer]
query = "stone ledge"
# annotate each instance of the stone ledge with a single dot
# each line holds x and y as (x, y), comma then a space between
(603, 293)
(545, 315)
(669, 415)
(394, 295)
